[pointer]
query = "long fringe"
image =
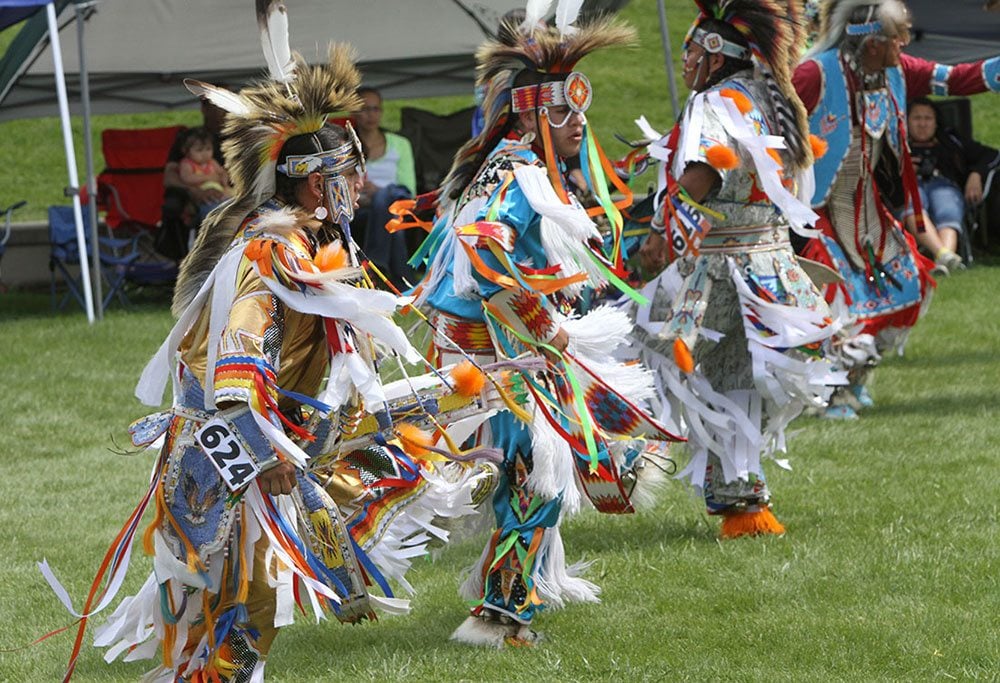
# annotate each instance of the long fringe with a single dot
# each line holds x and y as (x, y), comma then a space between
(754, 523)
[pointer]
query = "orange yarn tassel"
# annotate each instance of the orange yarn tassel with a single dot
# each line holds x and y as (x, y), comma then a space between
(468, 379)
(819, 146)
(774, 154)
(414, 439)
(330, 257)
(741, 101)
(682, 356)
(722, 158)
(739, 524)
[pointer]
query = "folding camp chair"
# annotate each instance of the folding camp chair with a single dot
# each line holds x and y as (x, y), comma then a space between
(435, 139)
(8, 214)
(130, 188)
(130, 192)
(116, 255)
(956, 113)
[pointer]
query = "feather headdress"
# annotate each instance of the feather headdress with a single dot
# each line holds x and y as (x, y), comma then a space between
(529, 46)
(296, 99)
(892, 17)
(775, 32)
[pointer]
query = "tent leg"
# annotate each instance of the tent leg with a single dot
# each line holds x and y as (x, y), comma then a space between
(668, 57)
(74, 182)
(88, 148)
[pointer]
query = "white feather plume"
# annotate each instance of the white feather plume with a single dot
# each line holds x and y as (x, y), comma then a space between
(567, 12)
(272, 17)
(534, 12)
(220, 97)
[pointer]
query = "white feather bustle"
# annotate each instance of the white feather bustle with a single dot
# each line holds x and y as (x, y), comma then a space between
(483, 633)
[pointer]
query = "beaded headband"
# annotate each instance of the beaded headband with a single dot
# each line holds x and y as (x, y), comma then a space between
(575, 92)
(713, 43)
(865, 29)
(330, 162)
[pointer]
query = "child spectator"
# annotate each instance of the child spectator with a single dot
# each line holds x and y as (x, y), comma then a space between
(199, 170)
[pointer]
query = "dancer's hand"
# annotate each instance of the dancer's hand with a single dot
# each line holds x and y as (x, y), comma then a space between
(559, 343)
(653, 253)
(278, 480)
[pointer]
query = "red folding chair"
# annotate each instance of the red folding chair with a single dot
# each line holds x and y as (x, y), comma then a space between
(130, 192)
(130, 188)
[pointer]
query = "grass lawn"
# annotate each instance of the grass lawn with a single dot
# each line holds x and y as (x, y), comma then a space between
(888, 570)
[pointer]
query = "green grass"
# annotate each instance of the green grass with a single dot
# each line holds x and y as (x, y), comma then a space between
(888, 570)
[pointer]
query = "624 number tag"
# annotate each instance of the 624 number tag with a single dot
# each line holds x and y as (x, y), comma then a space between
(234, 463)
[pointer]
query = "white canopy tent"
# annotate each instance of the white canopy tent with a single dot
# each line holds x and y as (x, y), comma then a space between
(56, 72)
(136, 54)
(139, 51)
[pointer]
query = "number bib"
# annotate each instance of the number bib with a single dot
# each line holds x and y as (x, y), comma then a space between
(222, 446)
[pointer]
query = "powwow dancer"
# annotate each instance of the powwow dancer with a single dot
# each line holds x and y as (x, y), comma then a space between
(510, 251)
(854, 83)
(273, 365)
(736, 329)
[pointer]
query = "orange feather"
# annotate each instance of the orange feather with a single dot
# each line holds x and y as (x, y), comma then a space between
(757, 523)
(682, 356)
(741, 101)
(722, 158)
(819, 146)
(468, 379)
(330, 257)
(415, 440)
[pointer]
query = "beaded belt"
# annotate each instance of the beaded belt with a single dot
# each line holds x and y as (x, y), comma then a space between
(744, 239)
(473, 336)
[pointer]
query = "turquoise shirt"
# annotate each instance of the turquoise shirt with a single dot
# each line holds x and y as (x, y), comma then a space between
(515, 212)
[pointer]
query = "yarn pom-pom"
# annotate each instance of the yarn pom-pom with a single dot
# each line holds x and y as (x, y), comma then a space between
(415, 440)
(741, 101)
(722, 158)
(330, 257)
(819, 146)
(682, 356)
(468, 379)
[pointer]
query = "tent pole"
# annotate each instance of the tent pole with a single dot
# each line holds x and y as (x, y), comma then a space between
(74, 181)
(668, 57)
(88, 147)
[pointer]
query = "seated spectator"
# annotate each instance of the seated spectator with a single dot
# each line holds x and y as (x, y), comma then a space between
(184, 206)
(391, 176)
(200, 172)
(950, 171)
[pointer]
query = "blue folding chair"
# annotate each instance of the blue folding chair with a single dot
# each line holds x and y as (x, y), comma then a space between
(116, 256)
(7, 214)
